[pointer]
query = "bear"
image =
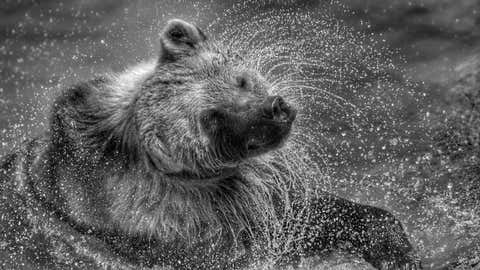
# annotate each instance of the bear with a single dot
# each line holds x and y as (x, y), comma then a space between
(160, 166)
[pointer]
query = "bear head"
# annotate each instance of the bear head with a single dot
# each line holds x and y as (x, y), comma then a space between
(204, 109)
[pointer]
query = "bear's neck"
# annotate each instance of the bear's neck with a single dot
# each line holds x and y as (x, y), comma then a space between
(171, 209)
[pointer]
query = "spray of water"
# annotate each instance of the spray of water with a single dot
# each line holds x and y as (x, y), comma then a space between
(342, 87)
(360, 132)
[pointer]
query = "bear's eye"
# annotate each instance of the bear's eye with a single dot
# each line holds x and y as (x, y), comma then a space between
(242, 82)
(176, 34)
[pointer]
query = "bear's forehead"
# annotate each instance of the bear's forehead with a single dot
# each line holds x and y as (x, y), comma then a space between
(214, 58)
(211, 64)
(211, 56)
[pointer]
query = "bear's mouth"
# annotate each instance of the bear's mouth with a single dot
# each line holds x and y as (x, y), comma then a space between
(238, 135)
(268, 140)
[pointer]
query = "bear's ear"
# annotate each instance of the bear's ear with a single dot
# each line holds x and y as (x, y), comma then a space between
(178, 39)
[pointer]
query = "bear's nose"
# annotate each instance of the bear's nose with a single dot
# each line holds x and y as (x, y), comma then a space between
(275, 108)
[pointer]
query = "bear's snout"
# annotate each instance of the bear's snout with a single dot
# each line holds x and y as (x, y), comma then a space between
(277, 109)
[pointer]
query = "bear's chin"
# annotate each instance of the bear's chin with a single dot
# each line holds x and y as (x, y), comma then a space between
(270, 138)
(256, 148)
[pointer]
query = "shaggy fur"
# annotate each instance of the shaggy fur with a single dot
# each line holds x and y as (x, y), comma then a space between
(177, 162)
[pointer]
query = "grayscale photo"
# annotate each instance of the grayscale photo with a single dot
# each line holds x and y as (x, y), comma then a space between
(239, 135)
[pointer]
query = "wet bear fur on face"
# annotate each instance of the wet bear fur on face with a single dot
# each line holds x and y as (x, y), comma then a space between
(164, 165)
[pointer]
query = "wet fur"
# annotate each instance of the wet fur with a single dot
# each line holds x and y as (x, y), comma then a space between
(124, 157)
(95, 121)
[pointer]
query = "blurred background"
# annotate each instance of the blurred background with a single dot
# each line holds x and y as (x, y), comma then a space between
(432, 183)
